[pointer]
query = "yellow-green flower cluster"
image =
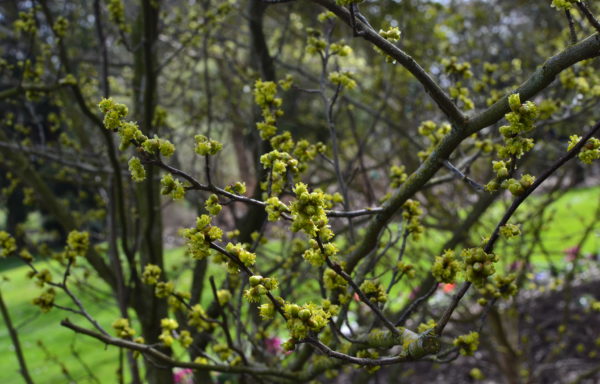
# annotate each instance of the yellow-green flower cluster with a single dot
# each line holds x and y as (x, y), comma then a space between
(29, 196)
(340, 49)
(198, 238)
(476, 374)
(8, 244)
(69, 79)
(289, 345)
(308, 318)
(46, 300)
(286, 83)
(342, 79)
(369, 354)
(151, 274)
(239, 251)
(589, 152)
(185, 338)
(223, 352)
(467, 344)
(116, 13)
(113, 113)
(198, 318)
(500, 168)
(374, 291)
(77, 244)
(315, 44)
(346, 3)
(275, 208)
(60, 26)
(510, 230)
(26, 22)
(283, 142)
(308, 213)
(239, 188)
(128, 131)
(171, 186)
(223, 296)
(521, 120)
(265, 97)
(411, 211)
(459, 71)
(485, 146)
(259, 286)
(305, 152)
(406, 269)
(391, 34)
(302, 152)
(500, 286)
(137, 170)
(453, 67)
(565, 5)
(457, 91)
(424, 327)
(266, 311)
(279, 163)
(434, 134)
(478, 265)
(518, 187)
(315, 256)
(445, 267)
(212, 205)
(160, 116)
(324, 16)
(487, 78)
(332, 280)
(164, 289)
(176, 300)
(168, 326)
(42, 276)
(506, 285)
(123, 329)
(206, 146)
(26, 256)
(584, 81)
(156, 145)
(397, 175)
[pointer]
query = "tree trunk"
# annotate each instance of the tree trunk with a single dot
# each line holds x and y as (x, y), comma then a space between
(149, 309)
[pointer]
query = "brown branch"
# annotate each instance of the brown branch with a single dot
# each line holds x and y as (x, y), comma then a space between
(538, 81)
(151, 352)
(588, 15)
(14, 336)
(438, 95)
(489, 247)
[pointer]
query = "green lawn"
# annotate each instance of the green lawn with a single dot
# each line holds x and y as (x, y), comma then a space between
(59, 342)
(573, 212)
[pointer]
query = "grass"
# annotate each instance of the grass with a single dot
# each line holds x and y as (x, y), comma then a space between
(573, 212)
(34, 326)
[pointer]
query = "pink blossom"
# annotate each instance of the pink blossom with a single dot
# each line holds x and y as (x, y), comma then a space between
(413, 293)
(183, 376)
(515, 266)
(273, 345)
(447, 288)
(571, 253)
